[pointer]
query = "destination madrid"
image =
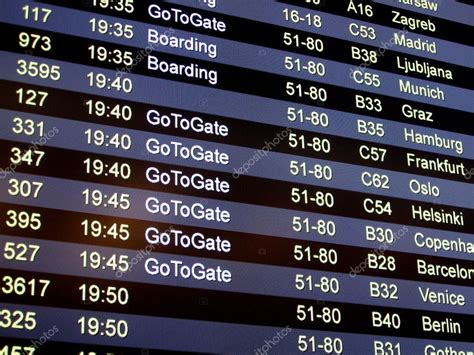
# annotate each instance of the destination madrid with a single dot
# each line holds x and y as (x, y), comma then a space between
(400, 39)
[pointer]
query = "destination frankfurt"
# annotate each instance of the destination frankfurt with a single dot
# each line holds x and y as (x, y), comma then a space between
(439, 165)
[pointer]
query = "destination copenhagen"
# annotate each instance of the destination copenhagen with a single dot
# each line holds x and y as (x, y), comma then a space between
(438, 244)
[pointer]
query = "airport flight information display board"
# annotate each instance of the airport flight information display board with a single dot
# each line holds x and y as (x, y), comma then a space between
(236, 176)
